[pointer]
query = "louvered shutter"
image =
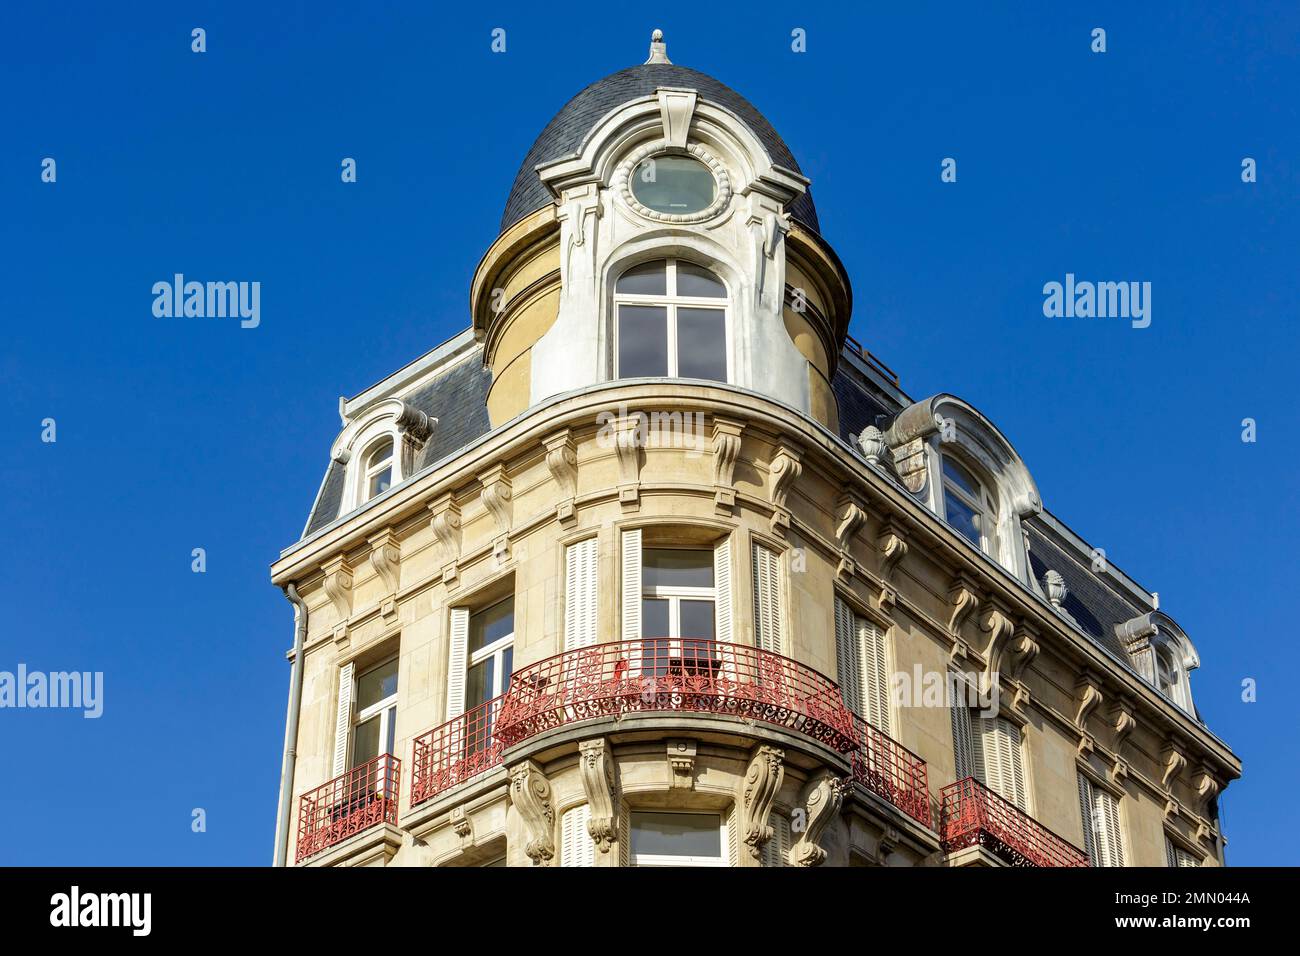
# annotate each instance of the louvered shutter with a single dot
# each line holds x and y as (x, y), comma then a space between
(343, 720)
(963, 746)
(576, 845)
(580, 594)
(457, 661)
(624, 836)
(1171, 854)
(848, 660)
(723, 610)
(1177, 856)
(999, 754)
(1111, 842)
(767, 600)
(776, 851)
(631, 588)
(733, 836)
(875, 670)
(1087, 815)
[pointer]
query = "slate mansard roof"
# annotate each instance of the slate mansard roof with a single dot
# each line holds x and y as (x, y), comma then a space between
(564, 135)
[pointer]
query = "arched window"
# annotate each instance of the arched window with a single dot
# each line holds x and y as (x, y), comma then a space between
(671, 320)
(968, 507)
(378, 475)
(1168, 680)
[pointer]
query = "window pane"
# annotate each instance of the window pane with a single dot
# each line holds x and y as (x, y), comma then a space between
(654, 617)
(491, 624)
(676, 568)
(649, 278)
(962, 478)
(962, 518)
(365, 741)
(697, 619)
(698, 281)
(478, 683)
(676, 834)
(382, 451)
(642, 340)
(701, 344)
(376, 684)
(380, 482)
(673, 184)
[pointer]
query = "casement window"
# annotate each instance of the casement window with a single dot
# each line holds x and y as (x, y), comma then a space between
(1177, 856)
(673, 838)
(968, 507)
(766, 565)
(671, 320)
(990, 750)
(368, 729)
(576, 846)
(1103, 837)
(482, 655)
(862, 666)
(676, 605)
(377, 474)
(1168, 678)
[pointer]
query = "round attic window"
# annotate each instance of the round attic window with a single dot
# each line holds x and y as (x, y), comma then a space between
(677, 185)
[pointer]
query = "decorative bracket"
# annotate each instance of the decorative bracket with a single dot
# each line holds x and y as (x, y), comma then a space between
(681, 764)
(821, 799)
(596, 765)
(386, 559)
(726, 449)
(852, 513)
(495, 496)
(461, 825)
(562, 462)
(1123, 721)
(530, 794)
(629, 438)
(338, 585)
(1174, 762)
(964, 600)
(787, 465)
(893, 548)
(444, 522)
(762, 781)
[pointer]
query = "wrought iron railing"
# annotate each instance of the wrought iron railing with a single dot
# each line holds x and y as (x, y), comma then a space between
(891, 771)
(463, 747)
(348, 804)
(973, 815)
(675, 674)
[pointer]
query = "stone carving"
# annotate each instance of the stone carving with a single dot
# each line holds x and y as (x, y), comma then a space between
(386, 558)
(460, 823)
(1174, 763)
(787, 465)
(893, 548)
(852, 515)
(681, 764)
(629, 437)
(495, 496)
(596, 766)
(1089, 690)
(1123, 721)
(964, 600)
(338, 586)
(726, 449)
(872, 443)
(562, 462)
(997, 625)
(530, 794)
(444, 522)
(762, 781)
(821, 799)
(1207, 784)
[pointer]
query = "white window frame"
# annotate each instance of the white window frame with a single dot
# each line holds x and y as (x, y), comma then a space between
(386, 709)
(494, 650)
(1103, 832)
(663, 860)
(985, 506)
(675, 596)
(369, 470)
(671, 301)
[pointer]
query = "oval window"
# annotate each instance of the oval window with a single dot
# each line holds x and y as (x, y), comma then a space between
(673, 184)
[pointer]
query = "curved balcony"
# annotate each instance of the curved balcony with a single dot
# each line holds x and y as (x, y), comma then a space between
(352, 802)
(675, 674)
(973, 815)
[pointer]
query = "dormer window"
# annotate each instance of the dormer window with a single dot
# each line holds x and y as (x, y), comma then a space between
(673, 184)
(671, 320)
(378, 476)
(1168, 680)
(967, 506)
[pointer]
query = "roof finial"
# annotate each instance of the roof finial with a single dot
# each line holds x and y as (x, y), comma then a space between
(658, 49)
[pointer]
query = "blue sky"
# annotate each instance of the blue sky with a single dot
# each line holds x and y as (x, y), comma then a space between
(175, 434)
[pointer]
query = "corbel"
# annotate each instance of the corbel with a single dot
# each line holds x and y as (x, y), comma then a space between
(1123, 721)
(726, 450)
(681, 764)
(963, 599)
(892, 547)
(1088, 690)
(562, 462)
(596, 767)
(1174, 762)
(997, 624)
(762, 781)
(338, 586)
(530, 795)
(821, 799)
(787, 465)
(629, 438)
(444, 522)
(1206, 783)
(386, 559)
(461, 825)
(891, 838)
(852, 513)
(495, 495)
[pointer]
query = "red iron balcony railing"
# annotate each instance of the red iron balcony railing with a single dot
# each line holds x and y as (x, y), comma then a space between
(891, 771)
(461, 748)
(973, 815)
(675, 674)
(348, 804)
